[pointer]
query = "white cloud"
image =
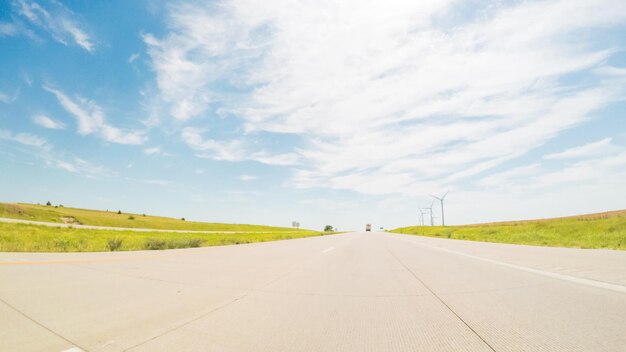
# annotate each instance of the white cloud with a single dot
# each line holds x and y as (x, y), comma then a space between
(25, 139)
(80, 166)
(91, 120)
(247, 178)
(8, 29)
(133, 57)
(386, 98)
(7, 99)
(62, 24)
(595, 148)
(162, 183)
(152, 151)
(46, 122)
(232, 150)
(218, 150)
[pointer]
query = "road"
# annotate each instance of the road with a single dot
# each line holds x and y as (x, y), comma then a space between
(350, 292)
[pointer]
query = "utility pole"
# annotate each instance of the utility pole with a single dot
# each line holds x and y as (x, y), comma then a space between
(443, 222)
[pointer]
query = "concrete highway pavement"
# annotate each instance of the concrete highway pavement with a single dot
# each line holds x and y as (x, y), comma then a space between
(350, 292)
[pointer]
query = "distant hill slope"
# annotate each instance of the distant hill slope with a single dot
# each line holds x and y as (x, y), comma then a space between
(599, 230)
(592, 216)
(60, 214)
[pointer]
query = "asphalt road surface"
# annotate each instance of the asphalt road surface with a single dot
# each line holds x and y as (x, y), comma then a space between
(351, 292)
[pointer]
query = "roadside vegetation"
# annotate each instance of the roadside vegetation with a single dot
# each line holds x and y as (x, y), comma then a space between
(36, 238)
(118, 218)
(602, 230)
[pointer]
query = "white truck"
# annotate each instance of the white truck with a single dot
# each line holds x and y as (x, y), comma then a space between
(368, 227)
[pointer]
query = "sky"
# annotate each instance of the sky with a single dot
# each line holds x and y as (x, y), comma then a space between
(322, 112)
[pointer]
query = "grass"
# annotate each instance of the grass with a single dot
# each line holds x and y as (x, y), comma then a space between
(111, 218)
(602, 230)
(36, 238)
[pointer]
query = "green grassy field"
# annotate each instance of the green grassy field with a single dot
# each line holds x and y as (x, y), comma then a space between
(113, 219)
(603, 230)
(37, 238)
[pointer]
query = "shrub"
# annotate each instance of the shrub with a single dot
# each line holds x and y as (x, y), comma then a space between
(153, 244)
(195, 242)
(48, 203)
(114, 244)
(131, 218)
(183, 219)
(62, 243)
(328, 228)
(119, 211)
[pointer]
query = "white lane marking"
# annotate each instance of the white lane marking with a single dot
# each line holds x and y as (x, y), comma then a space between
(328, 250)
(578, 280)
(73, 349)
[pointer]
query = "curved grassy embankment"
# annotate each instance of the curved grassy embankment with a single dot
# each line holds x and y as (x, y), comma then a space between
(16, 237)
(113, 219)
(602, 230)
(37, 238)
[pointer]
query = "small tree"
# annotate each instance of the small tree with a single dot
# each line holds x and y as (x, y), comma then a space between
(48, 203)
(119, 211)
(328, 228)
(183, 219)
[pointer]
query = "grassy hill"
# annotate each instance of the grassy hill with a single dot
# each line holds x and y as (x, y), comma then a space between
(16, 237)
(61, 214)
(37, 238)
(600, 230)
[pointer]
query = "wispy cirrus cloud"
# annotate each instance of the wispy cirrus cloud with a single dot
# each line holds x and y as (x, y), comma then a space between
(152, 151)
(91, 120)
(590, 149)
(80, 166)
(247, 177)
(44, 150)
(54, 18)
(25, 139)
(8, 29)
(233, 149)
(392, 98)
(47, 122)
(8, 98)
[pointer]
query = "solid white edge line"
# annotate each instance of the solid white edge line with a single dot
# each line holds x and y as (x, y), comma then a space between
(578, 280)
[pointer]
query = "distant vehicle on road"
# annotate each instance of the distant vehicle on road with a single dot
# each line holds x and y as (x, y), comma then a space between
(368, 227)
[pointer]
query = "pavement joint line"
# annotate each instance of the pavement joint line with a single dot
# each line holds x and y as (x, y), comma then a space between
(247, 293)
(440, 299)
(240, 297)
(43, 326)
(574, 279)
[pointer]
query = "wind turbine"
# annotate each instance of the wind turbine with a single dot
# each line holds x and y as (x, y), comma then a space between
(430, 209)
(422, 212)
(427, 211)
(443, 222)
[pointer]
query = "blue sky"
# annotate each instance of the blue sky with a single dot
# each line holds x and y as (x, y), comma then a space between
(325, 113)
